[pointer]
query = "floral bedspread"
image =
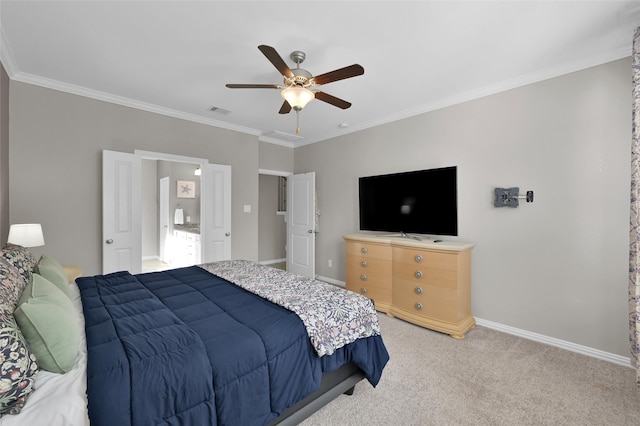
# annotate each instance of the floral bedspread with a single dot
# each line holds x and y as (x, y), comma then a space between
(333, 316)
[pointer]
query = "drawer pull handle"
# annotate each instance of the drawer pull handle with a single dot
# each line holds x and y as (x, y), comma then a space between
(363, 249)
(418, 274)
(363, 290)
(363, 263)
(363, 277)
(418, 290)
(419, 306)
(418, 258)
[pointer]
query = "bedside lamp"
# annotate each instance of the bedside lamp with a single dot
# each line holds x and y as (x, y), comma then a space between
(26, 235)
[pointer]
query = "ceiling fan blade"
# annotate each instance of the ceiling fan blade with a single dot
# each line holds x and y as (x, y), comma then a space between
(340, 74)
(276, 60)
(340, 103)
(285, 108)
(253, 86)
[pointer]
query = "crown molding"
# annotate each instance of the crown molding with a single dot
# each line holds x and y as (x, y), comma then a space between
(132, 103)
(482, 92)
(6, 55)
(8, 60)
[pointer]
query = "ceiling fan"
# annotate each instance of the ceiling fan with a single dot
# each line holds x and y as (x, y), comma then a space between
(297, 82)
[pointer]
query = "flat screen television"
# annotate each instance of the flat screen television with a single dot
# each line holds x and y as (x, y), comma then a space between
(418, 202)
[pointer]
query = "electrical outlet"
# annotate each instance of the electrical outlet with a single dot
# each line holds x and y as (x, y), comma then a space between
(330, 263)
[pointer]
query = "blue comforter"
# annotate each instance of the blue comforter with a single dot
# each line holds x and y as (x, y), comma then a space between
(185, 347)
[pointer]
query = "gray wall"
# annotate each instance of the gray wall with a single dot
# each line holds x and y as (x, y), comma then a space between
(276, 157)
(4, 155)
(558, 266)
(56, 173)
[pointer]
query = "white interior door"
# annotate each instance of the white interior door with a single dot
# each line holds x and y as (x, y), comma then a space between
(216, 213)
(121, 229)
(301, 229)
(163, 205)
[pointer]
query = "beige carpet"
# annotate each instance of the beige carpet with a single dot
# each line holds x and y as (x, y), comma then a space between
(489, 378)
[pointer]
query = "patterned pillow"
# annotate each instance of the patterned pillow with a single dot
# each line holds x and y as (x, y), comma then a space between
(18, 367)
(20, 257)
(12, 283)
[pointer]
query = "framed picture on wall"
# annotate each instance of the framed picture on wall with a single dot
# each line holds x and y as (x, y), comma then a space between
(186, 189)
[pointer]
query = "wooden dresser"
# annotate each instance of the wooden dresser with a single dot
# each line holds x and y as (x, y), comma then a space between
(425, 283)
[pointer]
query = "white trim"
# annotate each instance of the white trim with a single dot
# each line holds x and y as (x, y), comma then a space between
(552, 341)
(150, 155)
(481, 92)
(8, 60)
(132, 103)
(273, 172)
(6, 55)
(269, 139)
(272, 261)
(331, 281)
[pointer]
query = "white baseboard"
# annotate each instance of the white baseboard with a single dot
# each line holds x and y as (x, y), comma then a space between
(552, 341)
(272, 261)
(562, 344)
(150, 257)
(331, 281)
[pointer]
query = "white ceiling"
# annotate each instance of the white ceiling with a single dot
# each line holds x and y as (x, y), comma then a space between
(175, 57)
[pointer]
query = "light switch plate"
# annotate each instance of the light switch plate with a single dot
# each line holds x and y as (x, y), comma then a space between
(247, 208)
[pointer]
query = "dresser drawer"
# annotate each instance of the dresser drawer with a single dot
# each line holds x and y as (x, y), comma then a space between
(377, 294)
(420, 274)
(359, 276)
(427, 301)
(368, 265)
(431, 259)
(371, 250)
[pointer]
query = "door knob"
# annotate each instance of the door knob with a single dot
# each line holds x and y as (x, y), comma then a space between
(109, 241)
(226, 234)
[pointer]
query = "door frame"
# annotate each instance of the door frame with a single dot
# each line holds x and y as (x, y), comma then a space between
(140, 155)
(163, 203)
(282, 174)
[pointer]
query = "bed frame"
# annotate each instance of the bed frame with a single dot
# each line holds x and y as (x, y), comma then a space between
(333, 384)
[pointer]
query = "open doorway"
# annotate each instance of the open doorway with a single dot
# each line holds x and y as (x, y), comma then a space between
(171, 198)
(122, 212)
(272, 226)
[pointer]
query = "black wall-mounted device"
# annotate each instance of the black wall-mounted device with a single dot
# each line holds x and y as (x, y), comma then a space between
(508, 197)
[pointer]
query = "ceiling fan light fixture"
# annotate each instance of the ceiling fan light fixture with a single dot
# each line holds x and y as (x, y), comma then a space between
(297, 96)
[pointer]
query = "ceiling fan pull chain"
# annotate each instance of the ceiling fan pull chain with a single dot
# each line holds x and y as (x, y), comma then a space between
(297, 122)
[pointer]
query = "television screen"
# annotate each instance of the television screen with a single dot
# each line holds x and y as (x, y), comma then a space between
(419, 202)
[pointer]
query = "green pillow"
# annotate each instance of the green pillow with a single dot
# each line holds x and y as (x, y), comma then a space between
(47, 320)
(54, 272)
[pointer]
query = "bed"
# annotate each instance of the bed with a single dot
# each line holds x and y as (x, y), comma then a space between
(223, 343)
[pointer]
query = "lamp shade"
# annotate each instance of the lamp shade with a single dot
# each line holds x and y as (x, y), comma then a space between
(297, 96)
(26, 235)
